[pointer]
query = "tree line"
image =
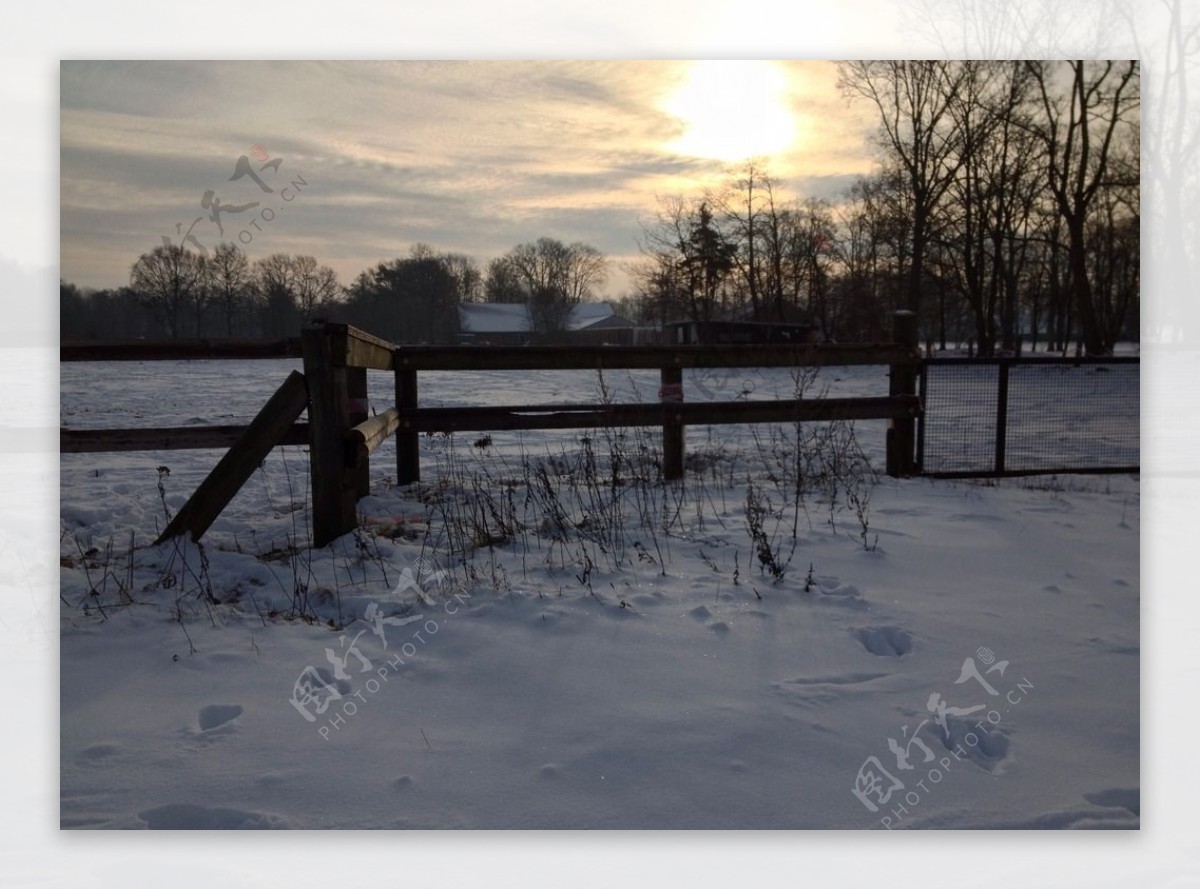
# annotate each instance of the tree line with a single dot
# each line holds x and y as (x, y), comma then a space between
(1004, 209)
(176, 292)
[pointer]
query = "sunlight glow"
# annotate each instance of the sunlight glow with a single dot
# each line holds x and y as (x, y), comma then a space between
(732, 110)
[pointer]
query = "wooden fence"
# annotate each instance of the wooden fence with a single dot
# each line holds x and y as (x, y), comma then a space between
(341, 437)
(337, 357)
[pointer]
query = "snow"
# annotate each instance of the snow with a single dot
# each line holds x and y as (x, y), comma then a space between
(671, 684)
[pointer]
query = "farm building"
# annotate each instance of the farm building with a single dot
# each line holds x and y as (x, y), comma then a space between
(785, 324)
(509, 324)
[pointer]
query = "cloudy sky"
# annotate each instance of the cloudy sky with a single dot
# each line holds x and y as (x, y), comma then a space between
(364, 159)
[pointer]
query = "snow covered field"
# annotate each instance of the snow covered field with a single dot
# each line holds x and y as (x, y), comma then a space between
(974, 665)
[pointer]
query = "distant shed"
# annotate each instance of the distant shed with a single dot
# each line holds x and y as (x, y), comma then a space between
(509, 324)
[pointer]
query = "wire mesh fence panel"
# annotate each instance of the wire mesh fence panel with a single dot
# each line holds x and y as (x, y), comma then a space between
(959, 429)
(1068, 417)
(1031, 416)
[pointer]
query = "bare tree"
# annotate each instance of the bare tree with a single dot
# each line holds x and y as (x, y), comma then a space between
(913, 100)
(274, 287)
(662, 275)
(229, 283)
(169, 280)
(1086, 106)
(552, 278)
(467, 277)
(689, 259)
(292, 290)
(746, 206)
(316, 286)
(502, 283)
(984, 228)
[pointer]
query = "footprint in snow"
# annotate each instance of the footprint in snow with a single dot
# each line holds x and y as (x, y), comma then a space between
(327, 677)
(823, 689)
(213, 716)
(889, 641)
(985, 746)
(832, 592)
(101, 751)
(827, 585)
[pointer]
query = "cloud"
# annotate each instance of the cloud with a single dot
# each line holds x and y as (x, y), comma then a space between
(473, 157)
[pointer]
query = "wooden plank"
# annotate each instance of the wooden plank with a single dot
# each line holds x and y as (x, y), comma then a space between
(408, 448)
(356, 348)
(368, 355)
(540, 358)
(165, 438)
(167, 350)
(541, 417)
(368, 351)
(269, 427)
(364, 439)
(334, 491)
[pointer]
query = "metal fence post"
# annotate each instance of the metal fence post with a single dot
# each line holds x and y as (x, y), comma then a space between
(901, 431)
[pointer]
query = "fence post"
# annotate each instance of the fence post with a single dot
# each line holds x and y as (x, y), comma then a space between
(334, 490)
(900, 434)
(408, 447)
(1001, 415)
(920, 464)
(356, 393)
(671, 393)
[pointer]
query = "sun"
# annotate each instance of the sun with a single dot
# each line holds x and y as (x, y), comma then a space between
(733, 110)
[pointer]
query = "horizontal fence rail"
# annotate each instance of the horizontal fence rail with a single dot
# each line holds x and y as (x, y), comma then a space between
(173, 438)
(559, 358)
(1009, 417)
(168, 350)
